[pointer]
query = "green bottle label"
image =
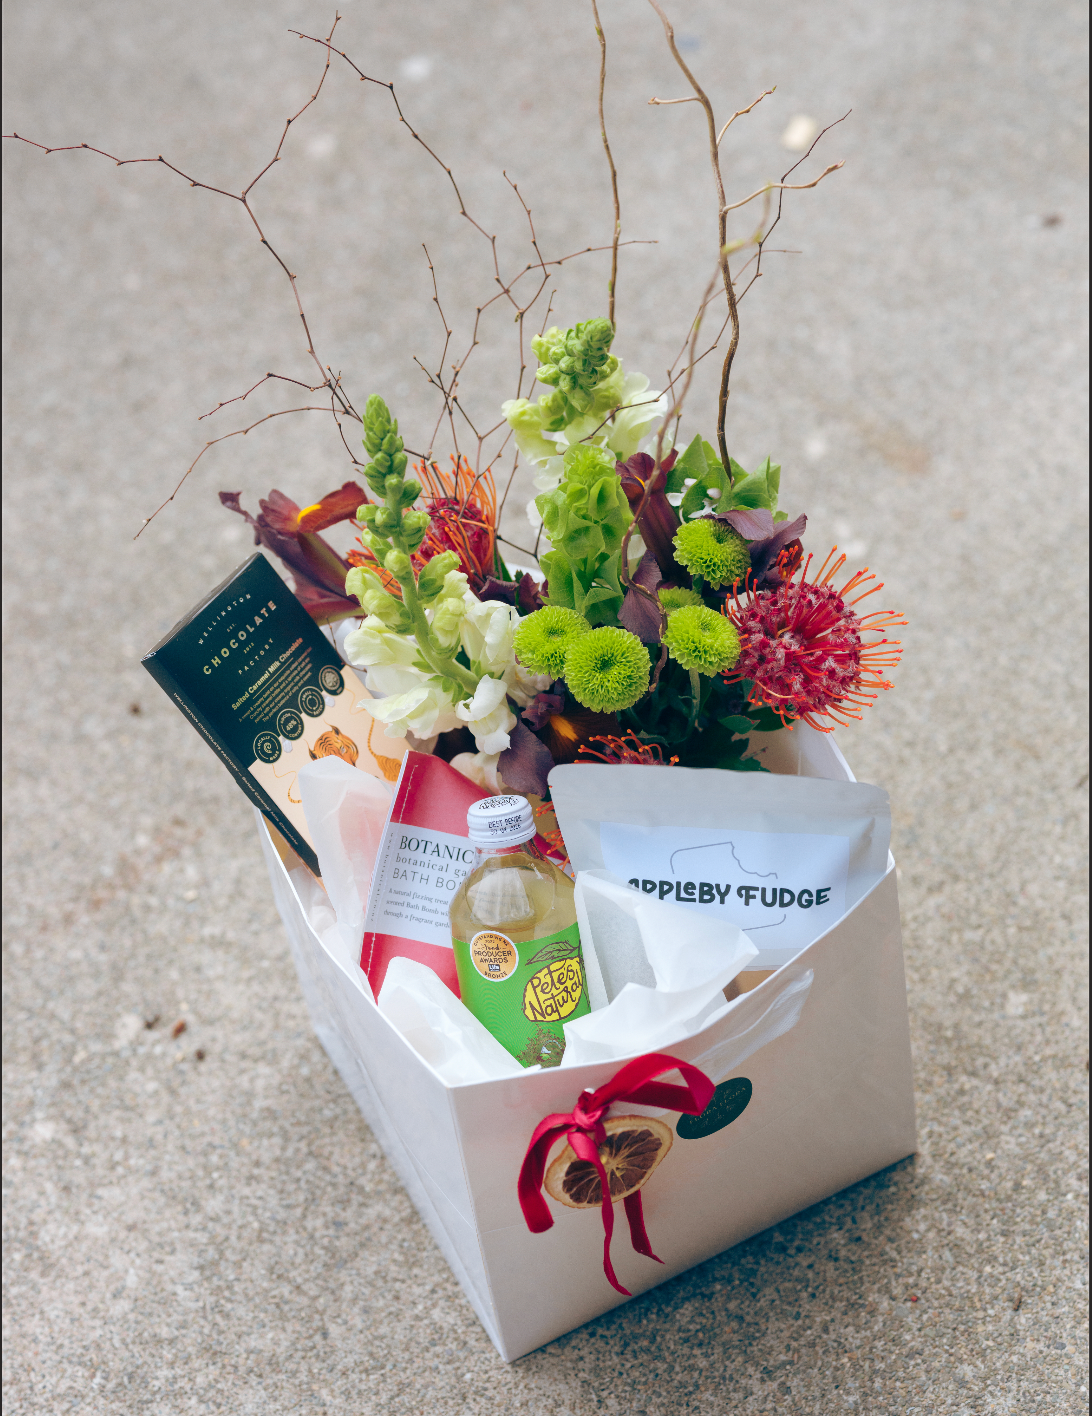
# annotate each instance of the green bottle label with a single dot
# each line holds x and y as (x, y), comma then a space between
(524, 993)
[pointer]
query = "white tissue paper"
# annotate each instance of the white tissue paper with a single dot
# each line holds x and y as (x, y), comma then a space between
(662, 967)
(440, 1028)
(346, 812)
(656, 971)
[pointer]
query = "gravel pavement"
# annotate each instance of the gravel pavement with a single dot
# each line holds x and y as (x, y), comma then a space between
(197, 1219)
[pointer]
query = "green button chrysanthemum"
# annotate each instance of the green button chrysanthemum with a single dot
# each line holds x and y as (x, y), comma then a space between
(712, 550)
(675, 599)
(543, 639)
(698, 638)
(607, 670)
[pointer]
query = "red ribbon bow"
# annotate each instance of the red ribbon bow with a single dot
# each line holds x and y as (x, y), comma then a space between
(583, 1127)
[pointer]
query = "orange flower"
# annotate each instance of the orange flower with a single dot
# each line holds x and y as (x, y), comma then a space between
(629, 748)
(463, 507)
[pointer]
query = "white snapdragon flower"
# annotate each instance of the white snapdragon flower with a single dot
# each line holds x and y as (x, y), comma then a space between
(488, 633)
(488, 716)
(410, 699)
(423, 709)
(524, 685)
(481, 769)
(642, 407)
(446, 616)
(373, 643)
(525, 420)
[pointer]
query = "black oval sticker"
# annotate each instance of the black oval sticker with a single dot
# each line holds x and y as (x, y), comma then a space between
(729, 1101)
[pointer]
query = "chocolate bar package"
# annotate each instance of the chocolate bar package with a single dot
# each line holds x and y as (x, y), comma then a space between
(268, 691)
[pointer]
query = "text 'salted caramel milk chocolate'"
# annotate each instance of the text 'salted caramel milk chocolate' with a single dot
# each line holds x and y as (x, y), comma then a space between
(267, 690)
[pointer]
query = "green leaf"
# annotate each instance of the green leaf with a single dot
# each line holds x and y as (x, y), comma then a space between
(765, 719)
(713, 748)
(712, 458)
(609, 601)
(691, 464)
(781, 516)
(736, 723)
(751, 491)
(738, 472)
(773, 480)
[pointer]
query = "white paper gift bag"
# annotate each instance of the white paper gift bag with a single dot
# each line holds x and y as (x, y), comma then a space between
(814, 1092)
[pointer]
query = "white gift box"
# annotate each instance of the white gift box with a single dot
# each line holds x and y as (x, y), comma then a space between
(824, 1043)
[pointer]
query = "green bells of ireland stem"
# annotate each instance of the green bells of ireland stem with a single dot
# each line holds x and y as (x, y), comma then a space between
(573, 362)
(544, 637)
(701, 640)
(586, 518)
(607, 670)
(393, 530)
(712, 550)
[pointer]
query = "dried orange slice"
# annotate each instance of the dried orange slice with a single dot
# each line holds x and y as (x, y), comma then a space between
(634, 1147)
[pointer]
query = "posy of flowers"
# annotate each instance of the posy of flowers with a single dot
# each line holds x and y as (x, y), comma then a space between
(679, 611)
(676, 610)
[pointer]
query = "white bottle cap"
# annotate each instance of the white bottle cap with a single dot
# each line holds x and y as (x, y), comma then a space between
(501, 821)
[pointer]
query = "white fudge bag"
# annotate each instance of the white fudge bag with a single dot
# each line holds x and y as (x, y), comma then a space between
(814, 1092)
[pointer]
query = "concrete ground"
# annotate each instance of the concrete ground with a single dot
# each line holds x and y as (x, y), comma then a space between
(202, 1222)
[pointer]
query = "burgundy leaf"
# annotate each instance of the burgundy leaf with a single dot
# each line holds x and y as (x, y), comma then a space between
(522, 592)
(640, 615)
(526, 763)
(764, 553)
(494, 589)
(543, 707)
(529, 596)
(752, 523)
(659, 522)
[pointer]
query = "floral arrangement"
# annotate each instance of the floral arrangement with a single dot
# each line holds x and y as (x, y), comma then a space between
(674, 611)
(678, 613)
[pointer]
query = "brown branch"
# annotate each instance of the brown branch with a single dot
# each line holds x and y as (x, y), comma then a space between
(238, 433)
(641, 403)
(741, 112)
(726, 274)
(781, 194)
(241, 397)
(340, 404)
(610, 163)
(381, 83)
(783, 187)
(242, 198)
(674, 413)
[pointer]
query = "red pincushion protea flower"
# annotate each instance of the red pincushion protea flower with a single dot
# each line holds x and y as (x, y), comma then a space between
(802, 646)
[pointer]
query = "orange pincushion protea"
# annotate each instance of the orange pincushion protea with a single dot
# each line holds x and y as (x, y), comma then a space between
(802, 646)
(628, 748)
(463, 507)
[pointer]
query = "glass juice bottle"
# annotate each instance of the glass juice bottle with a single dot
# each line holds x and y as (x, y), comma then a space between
(513, 927)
